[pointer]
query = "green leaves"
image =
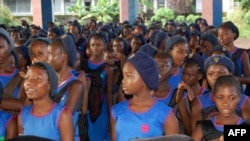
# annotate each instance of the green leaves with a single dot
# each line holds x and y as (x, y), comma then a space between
(163, 14)
(7, 18)
(191, 18)
(245, 4)
(104, 11)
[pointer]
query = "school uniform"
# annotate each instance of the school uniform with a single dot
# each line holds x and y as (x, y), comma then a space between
(166, 100)
(131, 125)
(208, 106)
(4, 120)
(46, 126)
(211, 130)
(98, 130)
(5, 78)
(175, 79)
(63, 101)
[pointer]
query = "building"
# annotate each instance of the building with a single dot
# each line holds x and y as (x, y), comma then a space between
(23, 8)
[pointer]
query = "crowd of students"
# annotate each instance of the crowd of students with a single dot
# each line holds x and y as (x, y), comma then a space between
(159, 80)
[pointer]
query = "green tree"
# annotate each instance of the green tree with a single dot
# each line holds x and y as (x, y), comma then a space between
(6, 17)
(105, 11)
(163, 14)
(78, 9)
(191, 18)
(245, 5)
(146, 3)
(180, 18)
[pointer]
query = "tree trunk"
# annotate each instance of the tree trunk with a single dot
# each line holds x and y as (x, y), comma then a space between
(180, 6)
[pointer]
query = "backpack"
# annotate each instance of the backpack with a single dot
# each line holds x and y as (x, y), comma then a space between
(95, 95)
(81, 121)
(234, 58)
(209, 131)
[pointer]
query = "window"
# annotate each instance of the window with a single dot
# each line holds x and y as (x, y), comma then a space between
(57, 6)
(161, 3)
(18, 6)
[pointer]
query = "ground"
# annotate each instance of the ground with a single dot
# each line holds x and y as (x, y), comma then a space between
(243, 43)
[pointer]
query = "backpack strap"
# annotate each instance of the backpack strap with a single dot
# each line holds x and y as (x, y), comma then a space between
(10, 87)
(237, 54)
(59, 95)
(234, 58)
(172, 102)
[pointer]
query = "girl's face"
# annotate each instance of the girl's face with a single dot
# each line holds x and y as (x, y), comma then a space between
(39, 52)
(11, 65)
(191, 74)
(36, 83)
(97, 46)
(179, 52)
(51, 35)
(206, 47)
(110, 57)
(56, 56)
(162, 45)
(73, 29)
(135, 44)
(139, 30)
(170, 28)
(164, 68)
(226, 99)
(77, 64)
(202, 27)
(194, 42)
(214, 71)
(34, 31)
(118, 46)
(22, 60)
(225, 36)
(132, 82)
(15, 36)
(126, 32)
(4, 50)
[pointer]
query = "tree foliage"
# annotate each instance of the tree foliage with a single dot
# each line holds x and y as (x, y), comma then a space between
(163, 14)
(191, 18)
(78, 9)
(104, 11)
(6, 17)
(245, 5)
(180, 18)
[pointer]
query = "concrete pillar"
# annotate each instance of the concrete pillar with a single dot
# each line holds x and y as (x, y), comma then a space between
(212, 11)
(128, 10)
(42, 12)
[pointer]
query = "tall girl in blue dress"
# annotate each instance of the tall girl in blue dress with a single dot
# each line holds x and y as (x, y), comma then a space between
(142, 116)
(62, 56)
(99, 129)
(228, 32)
(44, 118)
(226, 95)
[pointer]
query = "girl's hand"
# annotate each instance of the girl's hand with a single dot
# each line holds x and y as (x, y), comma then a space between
(184, 86)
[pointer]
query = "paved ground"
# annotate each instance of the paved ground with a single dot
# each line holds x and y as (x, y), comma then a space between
(243, 43)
